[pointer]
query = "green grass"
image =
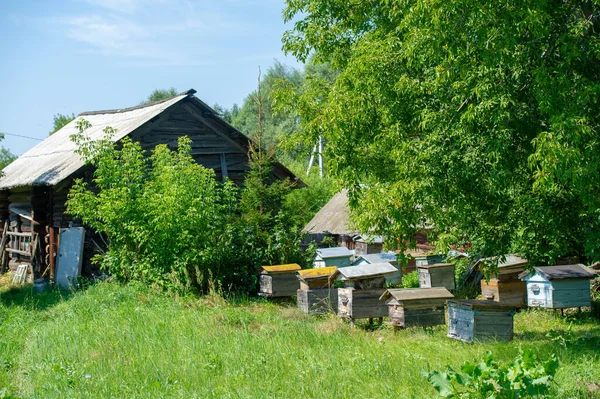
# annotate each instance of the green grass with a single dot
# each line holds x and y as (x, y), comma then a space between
(114, 341)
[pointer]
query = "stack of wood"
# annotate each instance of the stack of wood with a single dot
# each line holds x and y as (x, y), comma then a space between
(416, 306)
(316, 294)
(437, 275)
(479, 320)
(505, 286)
(363, 286)
(19, 242)
(279, 281)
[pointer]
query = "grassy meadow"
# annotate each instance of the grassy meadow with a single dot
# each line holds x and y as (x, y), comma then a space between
(129, 342)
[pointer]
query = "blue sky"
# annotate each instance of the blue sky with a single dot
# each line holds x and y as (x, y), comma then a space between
(71, 56)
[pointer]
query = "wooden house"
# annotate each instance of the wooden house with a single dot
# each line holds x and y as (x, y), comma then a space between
(437, 275)
(336, 256)
(416, 306)
(37, 183)
(279, 281)
(316, 294)
(389, 257)
(366, 244)
(505, 286)
(479, 320)
(363, 286)
(558, 287)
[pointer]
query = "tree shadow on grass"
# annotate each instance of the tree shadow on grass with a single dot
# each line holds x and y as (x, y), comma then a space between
(25, 296)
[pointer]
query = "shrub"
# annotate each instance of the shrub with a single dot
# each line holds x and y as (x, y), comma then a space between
(411, 280)
(525, 377)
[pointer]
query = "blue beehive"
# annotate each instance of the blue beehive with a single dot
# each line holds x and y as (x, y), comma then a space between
(558, 287)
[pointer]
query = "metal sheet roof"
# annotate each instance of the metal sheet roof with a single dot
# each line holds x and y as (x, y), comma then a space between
(560, 272)
(54, 159)
(363, 271)
(316, 273)
(408, 294)
(281, 268)
(334, 252)
(379, 257)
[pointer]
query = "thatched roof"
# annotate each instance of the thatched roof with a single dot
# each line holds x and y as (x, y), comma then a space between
(54, 159)
(333, 218)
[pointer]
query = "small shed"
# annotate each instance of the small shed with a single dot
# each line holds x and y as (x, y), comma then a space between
(558, 287)
(363, 286)
(336, 256)
(437, 275)
(505, 286)
(478, 320)
(365, 244)
(389, 257)
(416, 306)
(316, 294)
(279, 281)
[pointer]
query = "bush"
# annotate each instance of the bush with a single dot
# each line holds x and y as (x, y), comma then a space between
(170, 224)
(410, 280)
(525, 377)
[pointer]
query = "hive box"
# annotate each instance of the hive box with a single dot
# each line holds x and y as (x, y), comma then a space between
(316, 294)
(437, 275)
(471, 320)
(416, 306)
(279, 281)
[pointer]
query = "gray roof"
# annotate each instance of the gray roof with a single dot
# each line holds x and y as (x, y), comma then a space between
(560, 272)
(54, 159)
(380, 257)
(363, 271)
(408, 294)
(335, 252)
(333, 218)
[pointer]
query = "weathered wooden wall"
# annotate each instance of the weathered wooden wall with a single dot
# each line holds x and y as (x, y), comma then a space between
(511, 291)
(361, 304)
(437, 277)
(468, 323)
(279, 285)
(426, 312)
(319, 301)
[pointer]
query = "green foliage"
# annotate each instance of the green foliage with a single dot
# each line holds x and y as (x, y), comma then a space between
(169, 223)
(160, 95)
(485, 128)
(162, 216)
(525, 377)
(410, 280)
(6, 157)
(59, 121)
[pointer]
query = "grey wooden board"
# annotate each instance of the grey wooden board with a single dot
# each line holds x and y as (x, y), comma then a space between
(318, 301)
(364, 271)
(70, 254)
(407, 294)
(279, 285)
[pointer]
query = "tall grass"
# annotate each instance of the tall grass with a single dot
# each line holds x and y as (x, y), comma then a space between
(115, 341)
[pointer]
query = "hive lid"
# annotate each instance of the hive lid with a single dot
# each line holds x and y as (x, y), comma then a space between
(435, 265)
(280, 268)
(408, 294)
(560, 272)
(317, 273)
(335, 252)
(478, 303)
(378, 257)
(363, 271)
(512, 264)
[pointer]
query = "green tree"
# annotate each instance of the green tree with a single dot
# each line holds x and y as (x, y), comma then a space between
(6, 157)
(479, 117)
(59, 121)
(160, 95)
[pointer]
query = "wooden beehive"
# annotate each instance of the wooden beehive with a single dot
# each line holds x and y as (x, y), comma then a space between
(505, 286)
(279, 281)
(416, 306)
(437, 275)
(336, 256)
(316, 294)
(363, 286)
(424, 260)
(479, 320)
(380, 257)
(558, 287)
